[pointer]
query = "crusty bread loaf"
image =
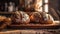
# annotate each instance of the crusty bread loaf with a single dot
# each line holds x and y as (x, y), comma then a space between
(21, 17)
(38, 18)
(35, 17)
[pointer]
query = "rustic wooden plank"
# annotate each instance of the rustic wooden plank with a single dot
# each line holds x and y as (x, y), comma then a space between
(41, 31)
(54, 25)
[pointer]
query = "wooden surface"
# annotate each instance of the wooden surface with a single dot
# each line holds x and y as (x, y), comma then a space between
(7, 12)
(54, 25)
(42, 31)
(34, 26)
(31, 31)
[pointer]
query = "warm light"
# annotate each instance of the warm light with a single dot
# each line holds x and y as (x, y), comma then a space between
(46, 8)
(38, 5)
(46, 1)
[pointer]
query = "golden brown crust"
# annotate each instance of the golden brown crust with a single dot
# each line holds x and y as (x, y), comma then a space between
(5, 21)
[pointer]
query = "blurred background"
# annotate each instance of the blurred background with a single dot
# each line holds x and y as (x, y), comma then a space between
(50, 6)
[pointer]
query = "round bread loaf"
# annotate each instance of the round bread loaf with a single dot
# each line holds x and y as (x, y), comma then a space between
(21, 17)
(38, 17)
(35, 17)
